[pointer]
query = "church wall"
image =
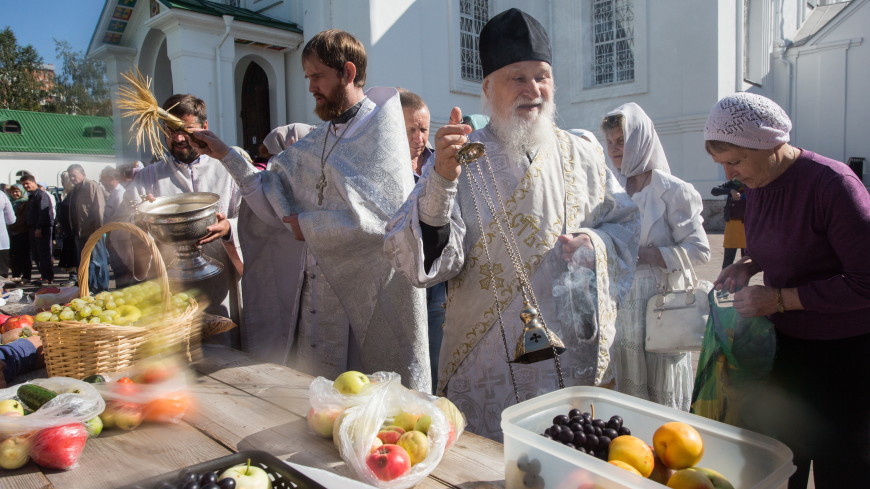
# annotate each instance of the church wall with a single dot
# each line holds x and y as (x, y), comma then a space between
(831, 81)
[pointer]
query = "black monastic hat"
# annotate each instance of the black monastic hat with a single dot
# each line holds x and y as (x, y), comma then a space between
(513, 36)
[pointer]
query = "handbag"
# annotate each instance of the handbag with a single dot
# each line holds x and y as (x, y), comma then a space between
(676, 319)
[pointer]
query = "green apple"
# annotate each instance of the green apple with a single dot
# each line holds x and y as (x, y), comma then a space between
(423, 423)
(719, 481)
(14, 451)
(11, 406)
(350, 382)
(94, 427)
(247, 476)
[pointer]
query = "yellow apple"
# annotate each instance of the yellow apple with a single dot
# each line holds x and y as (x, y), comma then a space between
(11, 406)
(624, 466)
(416, 444)
(406, 420)
(454, 417)
(678, 445)
(690, 479)
(350, 382)
(633, 451)
(14, 451)
(321, 422)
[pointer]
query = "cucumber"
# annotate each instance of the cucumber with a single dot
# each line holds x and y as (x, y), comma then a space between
(34, 396)
(94, 379)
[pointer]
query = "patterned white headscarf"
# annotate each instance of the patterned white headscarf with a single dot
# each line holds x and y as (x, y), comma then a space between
(748, 120)
(642, 150)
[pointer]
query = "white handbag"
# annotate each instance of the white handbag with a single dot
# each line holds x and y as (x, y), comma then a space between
(676, 319)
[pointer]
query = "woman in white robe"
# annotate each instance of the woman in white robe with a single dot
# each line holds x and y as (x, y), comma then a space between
(670, 212)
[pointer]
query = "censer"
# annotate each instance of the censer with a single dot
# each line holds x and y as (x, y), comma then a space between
(536, 343)
(180, 220)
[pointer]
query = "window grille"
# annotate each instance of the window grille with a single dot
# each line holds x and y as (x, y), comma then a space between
(10, 127)
(473, 14)
(612, 41)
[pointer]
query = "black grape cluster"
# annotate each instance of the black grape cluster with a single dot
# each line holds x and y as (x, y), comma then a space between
(586, 434)
(192, 480)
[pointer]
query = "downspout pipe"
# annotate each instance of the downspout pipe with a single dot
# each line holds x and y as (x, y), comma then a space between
(782, 45)
(228, 22)
(741, 48)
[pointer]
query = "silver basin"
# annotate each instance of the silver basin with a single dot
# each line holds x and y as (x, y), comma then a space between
(181, 220)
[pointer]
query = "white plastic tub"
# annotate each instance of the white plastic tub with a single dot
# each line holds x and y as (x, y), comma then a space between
(749, 460)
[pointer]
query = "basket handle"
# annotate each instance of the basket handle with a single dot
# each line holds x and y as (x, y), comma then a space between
(135, 231)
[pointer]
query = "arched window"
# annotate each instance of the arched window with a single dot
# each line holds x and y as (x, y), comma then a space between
(10, 127)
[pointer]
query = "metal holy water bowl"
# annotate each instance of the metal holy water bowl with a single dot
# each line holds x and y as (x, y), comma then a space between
(181, 220)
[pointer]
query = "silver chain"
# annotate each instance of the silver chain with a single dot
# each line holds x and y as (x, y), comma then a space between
(512, 248)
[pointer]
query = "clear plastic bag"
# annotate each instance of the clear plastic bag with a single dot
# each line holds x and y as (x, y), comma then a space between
(43, 302)
(160, 392)
(76, 402)
(365, 414)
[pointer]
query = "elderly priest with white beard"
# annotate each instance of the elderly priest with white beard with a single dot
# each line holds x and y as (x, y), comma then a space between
(571, 230)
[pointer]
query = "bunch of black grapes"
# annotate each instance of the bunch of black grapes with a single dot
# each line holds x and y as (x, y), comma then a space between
(586, 434)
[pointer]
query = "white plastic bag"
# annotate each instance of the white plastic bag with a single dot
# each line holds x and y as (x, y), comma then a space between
(43, 302)
(360, 425)
(76, 402)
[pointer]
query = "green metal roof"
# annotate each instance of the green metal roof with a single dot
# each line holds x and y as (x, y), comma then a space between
(243, 14)
(42, 132)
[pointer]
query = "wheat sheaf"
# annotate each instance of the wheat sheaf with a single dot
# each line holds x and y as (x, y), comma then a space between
(139, 102)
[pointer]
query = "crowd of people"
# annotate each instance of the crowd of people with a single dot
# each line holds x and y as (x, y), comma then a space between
(48, 230)
(341, 254)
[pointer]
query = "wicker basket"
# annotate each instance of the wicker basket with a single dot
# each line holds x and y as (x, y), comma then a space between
(75, 349)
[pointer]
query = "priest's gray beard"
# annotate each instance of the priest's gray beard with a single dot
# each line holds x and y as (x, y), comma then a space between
(518, 134)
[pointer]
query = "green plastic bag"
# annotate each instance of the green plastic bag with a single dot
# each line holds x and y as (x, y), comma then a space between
(736, 357)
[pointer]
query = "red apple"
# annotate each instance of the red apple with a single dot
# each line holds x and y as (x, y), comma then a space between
(59, 447)
(17, 322)
(390, 434)
(388, 462)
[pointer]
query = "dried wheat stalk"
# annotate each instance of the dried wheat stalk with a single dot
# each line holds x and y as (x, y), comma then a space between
(139, 102)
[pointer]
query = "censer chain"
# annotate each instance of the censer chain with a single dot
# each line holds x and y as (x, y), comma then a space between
(512, 248)
(518, 264)
(497, 303)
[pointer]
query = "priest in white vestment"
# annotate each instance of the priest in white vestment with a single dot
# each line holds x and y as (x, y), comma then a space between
(335, 189)
(575, 228)
(185, 169)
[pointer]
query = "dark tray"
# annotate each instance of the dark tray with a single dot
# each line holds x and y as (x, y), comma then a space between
(283, 475)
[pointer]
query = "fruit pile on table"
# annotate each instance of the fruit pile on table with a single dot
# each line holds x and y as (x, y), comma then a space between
(671, 460)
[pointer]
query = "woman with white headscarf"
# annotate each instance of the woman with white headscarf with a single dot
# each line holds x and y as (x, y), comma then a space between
(670, 212)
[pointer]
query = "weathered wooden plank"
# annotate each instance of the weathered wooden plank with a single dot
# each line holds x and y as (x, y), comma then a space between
(473, 459)
(27, 477)
(122, 457)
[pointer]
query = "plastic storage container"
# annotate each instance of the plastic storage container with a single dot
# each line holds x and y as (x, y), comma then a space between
(747, 459)
(283, 475)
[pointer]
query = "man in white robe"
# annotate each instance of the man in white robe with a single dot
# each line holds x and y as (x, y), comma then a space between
(185, 169)
(335, 189)
(574, 227)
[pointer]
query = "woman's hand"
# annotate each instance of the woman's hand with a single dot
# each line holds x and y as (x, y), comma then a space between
(756, 300)
(734, 277)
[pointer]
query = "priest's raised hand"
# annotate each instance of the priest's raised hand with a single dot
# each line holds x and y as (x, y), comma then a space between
(448, 140)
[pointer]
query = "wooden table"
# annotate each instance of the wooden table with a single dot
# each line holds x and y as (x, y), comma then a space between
(244, 405)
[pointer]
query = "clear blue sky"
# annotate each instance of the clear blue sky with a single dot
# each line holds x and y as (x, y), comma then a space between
(39, 22)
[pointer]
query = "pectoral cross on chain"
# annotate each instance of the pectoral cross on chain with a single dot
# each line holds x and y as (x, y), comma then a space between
(321, 185)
